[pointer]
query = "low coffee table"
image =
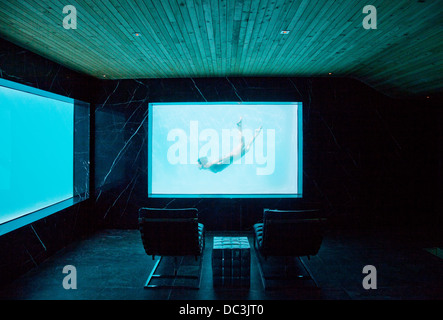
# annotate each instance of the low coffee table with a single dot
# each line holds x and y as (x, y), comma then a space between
(231, 262)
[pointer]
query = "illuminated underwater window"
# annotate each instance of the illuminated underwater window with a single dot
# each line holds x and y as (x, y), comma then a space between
(37, 153)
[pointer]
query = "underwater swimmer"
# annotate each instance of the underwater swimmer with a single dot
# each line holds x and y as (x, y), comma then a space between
(237, 153)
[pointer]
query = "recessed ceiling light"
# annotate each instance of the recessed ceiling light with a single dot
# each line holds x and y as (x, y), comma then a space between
(136, 34)
(284, 32)
(330, 73)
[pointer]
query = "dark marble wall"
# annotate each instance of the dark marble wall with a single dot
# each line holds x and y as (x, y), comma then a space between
(369, 160)
(27, 247)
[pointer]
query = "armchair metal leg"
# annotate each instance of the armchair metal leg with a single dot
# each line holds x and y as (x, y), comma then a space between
(152, 274)
(266, 278)
(308, 271)
(174, 276)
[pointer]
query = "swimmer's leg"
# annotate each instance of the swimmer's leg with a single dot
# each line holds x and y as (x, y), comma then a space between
(257, 132)
(240, 131)
(240, 124)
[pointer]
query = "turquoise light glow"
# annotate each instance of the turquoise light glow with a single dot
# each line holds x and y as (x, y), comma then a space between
(196, 150)
(36, 149)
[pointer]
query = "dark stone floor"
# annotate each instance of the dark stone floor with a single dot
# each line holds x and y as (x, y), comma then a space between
(112, 264)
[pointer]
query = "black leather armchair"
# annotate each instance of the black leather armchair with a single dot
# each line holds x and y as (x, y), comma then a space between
(171, 232)
(289, 233)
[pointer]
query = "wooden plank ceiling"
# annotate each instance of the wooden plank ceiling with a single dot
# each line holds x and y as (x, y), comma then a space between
(218, 38)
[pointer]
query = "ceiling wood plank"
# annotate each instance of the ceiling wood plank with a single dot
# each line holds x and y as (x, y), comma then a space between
(219, 38)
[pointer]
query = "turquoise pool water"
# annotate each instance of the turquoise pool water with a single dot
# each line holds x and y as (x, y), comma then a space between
(36, 152)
